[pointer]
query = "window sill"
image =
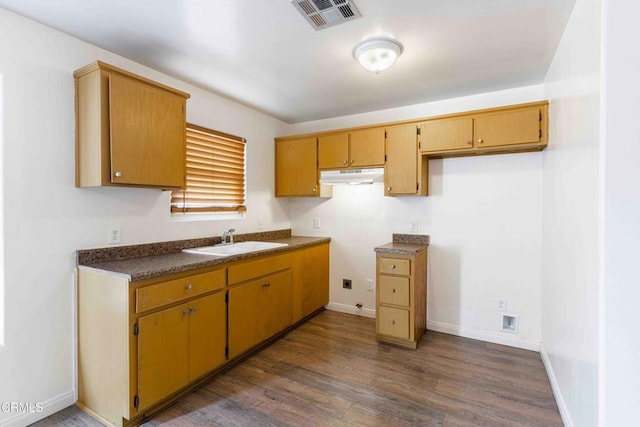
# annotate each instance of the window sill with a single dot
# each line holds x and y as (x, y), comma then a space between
(209, 216)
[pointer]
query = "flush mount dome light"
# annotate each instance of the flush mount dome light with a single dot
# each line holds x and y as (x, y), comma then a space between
(377, 54)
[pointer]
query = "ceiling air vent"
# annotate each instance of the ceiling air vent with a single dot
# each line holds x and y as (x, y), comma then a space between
(326, 13)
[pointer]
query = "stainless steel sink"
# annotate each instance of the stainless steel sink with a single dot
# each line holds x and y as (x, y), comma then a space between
(234, 248)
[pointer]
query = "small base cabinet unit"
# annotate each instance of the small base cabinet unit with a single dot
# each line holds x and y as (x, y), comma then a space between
(260, 301)
(401, 292)
(130, 131)
(142, 343)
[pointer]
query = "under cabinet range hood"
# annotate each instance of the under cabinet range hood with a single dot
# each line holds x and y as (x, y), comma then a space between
(352, 176)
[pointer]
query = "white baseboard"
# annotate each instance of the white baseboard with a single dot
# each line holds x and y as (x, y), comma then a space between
(482, 335)
(49, 407)
(344, 308)
(562, 406)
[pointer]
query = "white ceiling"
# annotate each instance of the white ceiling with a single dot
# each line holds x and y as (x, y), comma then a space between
(265, 55)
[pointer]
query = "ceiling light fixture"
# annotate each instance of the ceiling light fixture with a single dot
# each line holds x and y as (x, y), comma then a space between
(378, 53)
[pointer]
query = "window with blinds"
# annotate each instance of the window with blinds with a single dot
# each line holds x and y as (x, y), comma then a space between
(215, 173)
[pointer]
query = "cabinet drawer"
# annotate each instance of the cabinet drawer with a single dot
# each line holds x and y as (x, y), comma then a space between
(394, 290)
(164, 293)
(253, 269)
(395, 266)
(393, 322)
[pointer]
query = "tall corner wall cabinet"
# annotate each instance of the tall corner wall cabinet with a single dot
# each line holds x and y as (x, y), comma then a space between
(130, 131)
(404, 148)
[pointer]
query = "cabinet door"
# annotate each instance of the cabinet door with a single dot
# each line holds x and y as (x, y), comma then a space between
(366, 148)
(509, 128)
(278, 312)
(401, 169)
(257, 310)
(310, 280)
(446, 134)
(163, 361)
(207, 334)
(333, 151)
(147, 134)
(296, 168)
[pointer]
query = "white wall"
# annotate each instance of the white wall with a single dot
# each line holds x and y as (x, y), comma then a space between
(620, 345)
(571, 219)
(483, 216)
(46, 218)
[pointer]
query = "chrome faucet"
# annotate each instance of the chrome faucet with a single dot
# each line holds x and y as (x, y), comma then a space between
(228, 234)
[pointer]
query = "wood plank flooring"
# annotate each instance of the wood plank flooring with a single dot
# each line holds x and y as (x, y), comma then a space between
(331, 372)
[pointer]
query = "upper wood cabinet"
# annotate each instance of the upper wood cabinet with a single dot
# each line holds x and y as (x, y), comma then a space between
(296, 169)
(520, 128)
(355, 149)
(405, 172)
(130, 131)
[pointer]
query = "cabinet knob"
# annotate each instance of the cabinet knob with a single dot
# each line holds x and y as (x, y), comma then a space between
(266, 285)
(393, 291)
(392, 322)
(313, 189)
(192, 310)
(480, 141)
(117, 174)
(186, 311)
(188, 286)
(352, 162)
(344, 162)
(470, 142)
(388, 188)
(393, 266)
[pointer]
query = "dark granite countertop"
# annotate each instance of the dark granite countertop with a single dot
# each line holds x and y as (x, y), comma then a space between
(404, 244)
(155, 263)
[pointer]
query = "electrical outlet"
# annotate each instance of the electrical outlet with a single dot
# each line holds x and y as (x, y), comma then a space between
(501, 304)
(346, 283)
(370, 285)
(114, 236)
(316, 222)
(414, 227)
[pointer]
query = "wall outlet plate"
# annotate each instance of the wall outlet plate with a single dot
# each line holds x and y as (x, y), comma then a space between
(501, 304)
(346, 283)
(114, 236)
(414, 226)
(316, 222)
(370, 285)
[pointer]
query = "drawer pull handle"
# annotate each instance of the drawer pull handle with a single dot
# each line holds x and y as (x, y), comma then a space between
(188, 311)
(393, 266)
(393, 291)
(266, 285)
(188, 286)
(392, 322)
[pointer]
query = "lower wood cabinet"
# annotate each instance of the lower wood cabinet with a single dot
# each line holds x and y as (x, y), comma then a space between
(178, 345)
(142, 344)
(259, 309)
(310, 280)
(401, 297)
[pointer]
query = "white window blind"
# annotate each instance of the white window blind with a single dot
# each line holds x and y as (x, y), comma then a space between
(215, 173)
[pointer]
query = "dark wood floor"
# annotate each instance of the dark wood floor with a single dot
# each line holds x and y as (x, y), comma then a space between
(331, 371)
